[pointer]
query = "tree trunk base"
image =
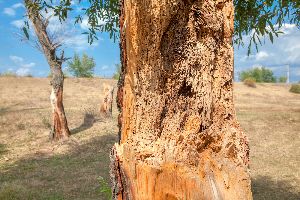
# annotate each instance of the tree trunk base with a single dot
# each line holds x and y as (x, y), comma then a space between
(60, 128)
(214, 178)
(210, 165)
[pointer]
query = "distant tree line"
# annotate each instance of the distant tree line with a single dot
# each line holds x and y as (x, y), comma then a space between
(261, 75)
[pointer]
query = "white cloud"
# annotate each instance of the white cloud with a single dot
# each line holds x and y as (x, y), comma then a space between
(79, 42)
(29, 65)
(63, 32)
(9, 11)
(288, 28)
(262, 55)
(18, 5)
(85, 23)
(104, 67)
(16, 59)
(23, 71)
(285, 50)
(18, 23)
(23, 67)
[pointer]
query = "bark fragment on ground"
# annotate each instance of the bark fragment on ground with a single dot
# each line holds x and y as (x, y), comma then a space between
(179, 135)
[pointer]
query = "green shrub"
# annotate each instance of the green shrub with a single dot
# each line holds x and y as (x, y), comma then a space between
(83, 67)
(118, 72)
(259, 74)
(250, 82)
(282, 79)
(105, 188)
(295, 88)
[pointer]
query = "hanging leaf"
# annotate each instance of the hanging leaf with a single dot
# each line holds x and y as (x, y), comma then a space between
(25, 32)
(271, 37)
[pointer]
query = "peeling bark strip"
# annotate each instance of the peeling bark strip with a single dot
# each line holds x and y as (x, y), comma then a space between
(179, 135)
(106, 105)
(123, 64)
(60, 128)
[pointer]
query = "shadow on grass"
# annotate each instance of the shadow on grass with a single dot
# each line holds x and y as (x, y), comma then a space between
(74, 175)
(6, 109)
(2, 149)
(88, 121)
(11, 110)
(264, 188)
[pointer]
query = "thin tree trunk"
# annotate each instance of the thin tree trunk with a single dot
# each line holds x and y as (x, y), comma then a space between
(60, 126)
(179, 135)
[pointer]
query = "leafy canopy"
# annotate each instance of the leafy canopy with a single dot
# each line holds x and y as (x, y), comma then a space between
(257, 18)
(83, 67)
(259, 74)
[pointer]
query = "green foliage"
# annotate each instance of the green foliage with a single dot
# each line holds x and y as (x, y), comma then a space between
(105, 188)
(258, 17)
(295, 88)
(254, 17)
(259, 74)
(282, 79)
(250, 82)
(118, 72)
(83, 67)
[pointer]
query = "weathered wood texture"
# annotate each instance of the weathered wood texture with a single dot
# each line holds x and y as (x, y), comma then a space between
(179, 135)
(107, 102)
(60, 128)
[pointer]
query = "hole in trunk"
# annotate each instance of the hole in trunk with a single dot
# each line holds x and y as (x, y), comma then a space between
(186, 90)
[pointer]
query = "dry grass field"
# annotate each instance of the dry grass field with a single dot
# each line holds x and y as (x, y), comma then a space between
(32, 167)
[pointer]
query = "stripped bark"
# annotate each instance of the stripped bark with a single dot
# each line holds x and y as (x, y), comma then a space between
(60, 128)
(106, 105)
(179, 136)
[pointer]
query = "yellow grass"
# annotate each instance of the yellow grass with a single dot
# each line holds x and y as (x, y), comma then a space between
(32, 167)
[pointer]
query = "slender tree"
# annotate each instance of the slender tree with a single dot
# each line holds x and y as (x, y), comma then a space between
(60, 128)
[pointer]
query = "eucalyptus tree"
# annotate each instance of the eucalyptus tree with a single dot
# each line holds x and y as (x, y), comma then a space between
(179, 136)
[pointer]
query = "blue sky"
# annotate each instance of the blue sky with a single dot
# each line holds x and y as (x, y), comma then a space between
(22, 58)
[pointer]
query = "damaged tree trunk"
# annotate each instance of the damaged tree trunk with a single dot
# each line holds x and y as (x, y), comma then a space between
(107, 102)
(179, 136)
(60, 128)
